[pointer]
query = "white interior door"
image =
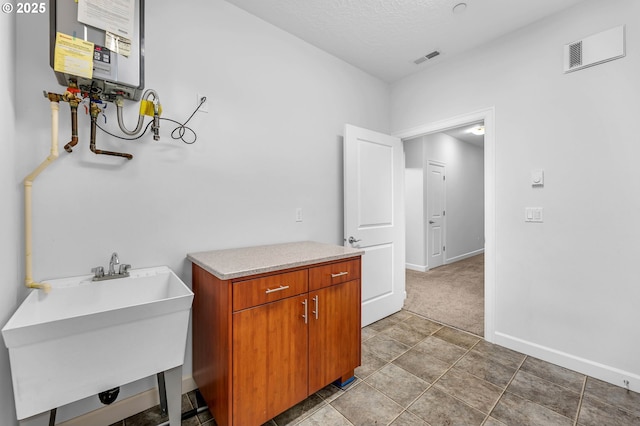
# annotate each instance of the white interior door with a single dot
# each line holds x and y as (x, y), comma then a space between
(374, 217)
(435, 214)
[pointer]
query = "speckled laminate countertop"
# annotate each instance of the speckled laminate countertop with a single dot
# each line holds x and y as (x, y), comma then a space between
(241, 262)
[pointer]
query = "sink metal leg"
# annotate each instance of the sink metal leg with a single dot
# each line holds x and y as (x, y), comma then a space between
(52, 417)
(162, 392)
(173, 392)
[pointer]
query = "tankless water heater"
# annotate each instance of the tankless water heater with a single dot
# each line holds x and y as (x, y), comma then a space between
(116, 30)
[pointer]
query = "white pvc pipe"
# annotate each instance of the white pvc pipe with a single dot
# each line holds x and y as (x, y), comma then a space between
(28, 183)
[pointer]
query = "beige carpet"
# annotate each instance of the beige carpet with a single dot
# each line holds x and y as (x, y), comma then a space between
(450, 294)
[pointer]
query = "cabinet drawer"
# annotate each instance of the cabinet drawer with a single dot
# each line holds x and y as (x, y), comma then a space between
(334, 273)
(267, 289)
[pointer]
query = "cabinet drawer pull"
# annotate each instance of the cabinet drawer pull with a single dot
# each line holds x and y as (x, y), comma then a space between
(273, 290)
(339, 274)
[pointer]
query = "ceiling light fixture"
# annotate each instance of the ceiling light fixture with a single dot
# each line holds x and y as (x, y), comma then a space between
(459, 8)
(477, 130)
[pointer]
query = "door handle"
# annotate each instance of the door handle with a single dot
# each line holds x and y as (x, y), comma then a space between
(431, 222)
(353, 240)
(305, 316)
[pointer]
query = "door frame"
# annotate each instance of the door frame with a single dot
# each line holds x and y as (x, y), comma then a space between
(488, 116)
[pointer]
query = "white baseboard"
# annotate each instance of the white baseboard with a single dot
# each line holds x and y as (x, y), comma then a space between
(419, 268)
(425, 268)
(119, 410)
(464, 256)
(606, 373)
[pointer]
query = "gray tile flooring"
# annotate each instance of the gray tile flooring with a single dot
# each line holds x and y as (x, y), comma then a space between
(153, 416)
(418, 372)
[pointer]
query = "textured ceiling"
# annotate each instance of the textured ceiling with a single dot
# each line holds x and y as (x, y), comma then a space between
(385, 37)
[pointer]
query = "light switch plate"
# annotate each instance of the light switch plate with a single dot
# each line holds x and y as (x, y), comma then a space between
(533, 214)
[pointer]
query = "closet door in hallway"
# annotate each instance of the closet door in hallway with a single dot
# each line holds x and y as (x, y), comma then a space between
(435, 214)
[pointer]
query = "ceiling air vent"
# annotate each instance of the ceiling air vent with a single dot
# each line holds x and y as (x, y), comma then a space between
(431, 55)
(596, 49)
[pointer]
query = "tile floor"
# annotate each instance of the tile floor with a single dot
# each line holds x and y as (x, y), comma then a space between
(418, 372)
(153, 416)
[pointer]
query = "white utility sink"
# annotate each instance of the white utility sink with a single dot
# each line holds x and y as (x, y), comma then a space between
(85, 337)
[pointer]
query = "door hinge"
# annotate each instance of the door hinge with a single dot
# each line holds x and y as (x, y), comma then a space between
(444, 213)
(444, 248)
(444, 177)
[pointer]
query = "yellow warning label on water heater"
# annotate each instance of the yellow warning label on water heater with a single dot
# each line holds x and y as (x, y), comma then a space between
(73, 56)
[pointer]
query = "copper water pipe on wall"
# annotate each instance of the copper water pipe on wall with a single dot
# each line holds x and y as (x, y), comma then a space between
(71, 97)
(94, 111)
(73, 104)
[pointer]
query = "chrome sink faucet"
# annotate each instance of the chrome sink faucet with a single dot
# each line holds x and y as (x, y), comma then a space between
(114, 261)
(123, 271)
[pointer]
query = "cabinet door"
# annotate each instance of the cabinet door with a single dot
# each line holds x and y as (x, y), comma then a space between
(270, 363)
(334, 333)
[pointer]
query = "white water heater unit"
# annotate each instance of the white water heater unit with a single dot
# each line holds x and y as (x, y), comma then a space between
(116, 30)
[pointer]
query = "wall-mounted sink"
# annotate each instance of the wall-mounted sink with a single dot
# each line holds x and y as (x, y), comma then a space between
(85, 337)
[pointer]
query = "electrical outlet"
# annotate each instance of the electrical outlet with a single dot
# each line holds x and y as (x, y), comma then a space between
(299, 214)
(205, 105)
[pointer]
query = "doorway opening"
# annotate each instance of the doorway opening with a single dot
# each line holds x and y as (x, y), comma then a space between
(444, 211)
(485, 116)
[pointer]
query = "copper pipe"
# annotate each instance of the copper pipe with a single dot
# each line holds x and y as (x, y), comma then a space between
(74, 126)
(94, 111)
(53, 97)
(74, 101)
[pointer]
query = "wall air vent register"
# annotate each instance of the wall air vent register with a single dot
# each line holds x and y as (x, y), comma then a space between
(602, 47)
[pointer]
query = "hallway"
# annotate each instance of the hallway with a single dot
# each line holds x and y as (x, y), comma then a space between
(451, 294)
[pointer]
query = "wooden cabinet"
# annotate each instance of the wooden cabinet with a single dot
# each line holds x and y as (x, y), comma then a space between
(262, 343)
(270, 360)
(334, 334)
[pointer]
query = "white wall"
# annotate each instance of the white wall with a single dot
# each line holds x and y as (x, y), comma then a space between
(271, 142)
(414, 205)
(10, 246)
(565, 290)
(464, 168)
